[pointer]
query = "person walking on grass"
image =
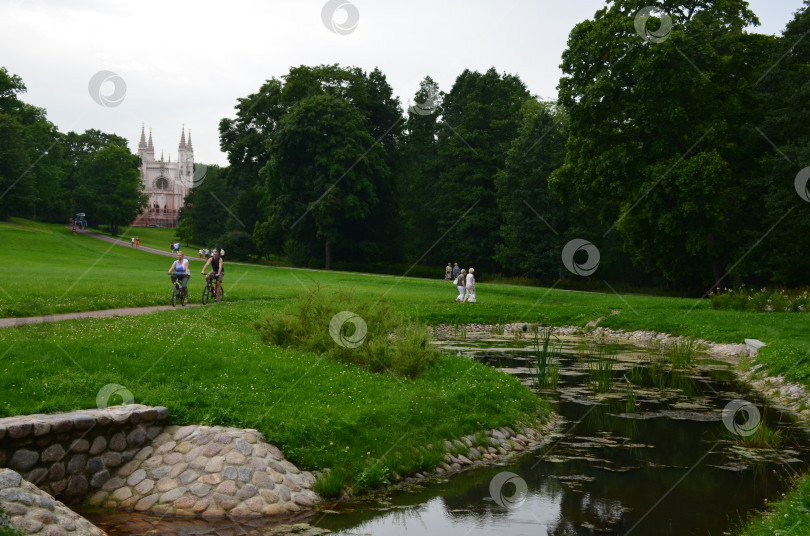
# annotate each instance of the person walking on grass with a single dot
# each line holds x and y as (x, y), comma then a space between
(137, 242)
(448, 272)
(132, 242)
(469, 296)
(455, 270)
(460, 284)
(179, 270)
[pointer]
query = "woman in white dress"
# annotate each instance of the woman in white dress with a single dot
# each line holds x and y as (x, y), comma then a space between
(460, 283)
(469, 296)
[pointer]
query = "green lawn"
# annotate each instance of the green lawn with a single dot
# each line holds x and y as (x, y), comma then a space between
(227, 376)
(154, 237)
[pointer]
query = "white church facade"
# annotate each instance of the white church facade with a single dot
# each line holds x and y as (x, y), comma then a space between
(166, 183)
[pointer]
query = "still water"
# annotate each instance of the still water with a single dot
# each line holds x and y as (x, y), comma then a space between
(650, 456)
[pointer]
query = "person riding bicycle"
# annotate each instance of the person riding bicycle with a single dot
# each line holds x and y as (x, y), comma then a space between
(217, 270)
(179, 270)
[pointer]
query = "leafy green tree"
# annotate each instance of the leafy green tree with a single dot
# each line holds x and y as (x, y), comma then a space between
(205, 215)
(324, 170)
(534, 218)
(418, 171)
(111, 189)
(662, 142)
(14, 188)
(480, 118)
(783, 257)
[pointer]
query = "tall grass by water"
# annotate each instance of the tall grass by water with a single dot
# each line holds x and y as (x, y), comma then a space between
(600, 361)
(544, 366)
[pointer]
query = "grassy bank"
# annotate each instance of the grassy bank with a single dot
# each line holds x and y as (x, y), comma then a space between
(210, 366)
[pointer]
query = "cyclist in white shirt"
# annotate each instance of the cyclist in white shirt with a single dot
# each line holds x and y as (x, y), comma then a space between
(179, 270)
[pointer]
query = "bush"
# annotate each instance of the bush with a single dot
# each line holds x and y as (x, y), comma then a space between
(238, 245)
(369, 335)
(763, 300)
(297, 252)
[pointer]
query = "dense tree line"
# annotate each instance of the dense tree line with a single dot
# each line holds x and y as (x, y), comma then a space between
(49, 176)
(673, 147)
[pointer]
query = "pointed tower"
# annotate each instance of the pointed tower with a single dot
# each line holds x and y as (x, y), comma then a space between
(150, 148)
(142, 145)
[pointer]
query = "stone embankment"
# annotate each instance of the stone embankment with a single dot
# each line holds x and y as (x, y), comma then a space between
(211, 472)
(32, 511)
(126, 457)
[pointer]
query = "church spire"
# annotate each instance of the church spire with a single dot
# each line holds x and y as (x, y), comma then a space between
(183, 137)
(150, 146)
(189, 140)
(142, 144)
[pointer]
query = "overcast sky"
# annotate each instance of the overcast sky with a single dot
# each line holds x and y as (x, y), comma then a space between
(187, 62)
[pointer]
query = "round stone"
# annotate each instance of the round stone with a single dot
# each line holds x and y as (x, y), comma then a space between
(24, 459)
(136, 477)
(145, 486)
(98, 446)
(165, 484)
(77, 485)
(80, 446)
(76, 464)
(146, 503)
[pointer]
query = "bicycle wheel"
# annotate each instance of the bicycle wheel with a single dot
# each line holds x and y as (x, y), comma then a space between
(205, 295)
(174, 297)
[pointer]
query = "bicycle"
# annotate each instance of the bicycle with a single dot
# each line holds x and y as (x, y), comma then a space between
(177, 290)
(211, 290)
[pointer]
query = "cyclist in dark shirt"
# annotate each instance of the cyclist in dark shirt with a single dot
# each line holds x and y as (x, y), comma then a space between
(217, 270)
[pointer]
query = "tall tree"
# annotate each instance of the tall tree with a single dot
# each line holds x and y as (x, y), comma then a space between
(535, 222)
(111, 190)
(662, 141)
(481, 114)
(318, 181)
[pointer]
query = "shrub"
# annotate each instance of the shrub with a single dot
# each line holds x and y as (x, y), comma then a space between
(763, 300)
(351, 331)
(6, 528)
(238, 245)
(297, 252)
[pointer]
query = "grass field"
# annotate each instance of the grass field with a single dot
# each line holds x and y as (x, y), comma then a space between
(153, 237)
(208, 364)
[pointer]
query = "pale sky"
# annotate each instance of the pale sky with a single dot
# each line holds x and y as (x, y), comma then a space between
(186, 62)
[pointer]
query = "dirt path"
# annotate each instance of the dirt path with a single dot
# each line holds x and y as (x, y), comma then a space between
(105, 313)
(126, 243)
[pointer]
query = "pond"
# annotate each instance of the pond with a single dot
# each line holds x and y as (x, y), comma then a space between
(642, 448)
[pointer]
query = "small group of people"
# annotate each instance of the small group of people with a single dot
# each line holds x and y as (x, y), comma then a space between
(464, 280)
(135, 242)
(179, 270)
(174, 247)
(206, 253)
